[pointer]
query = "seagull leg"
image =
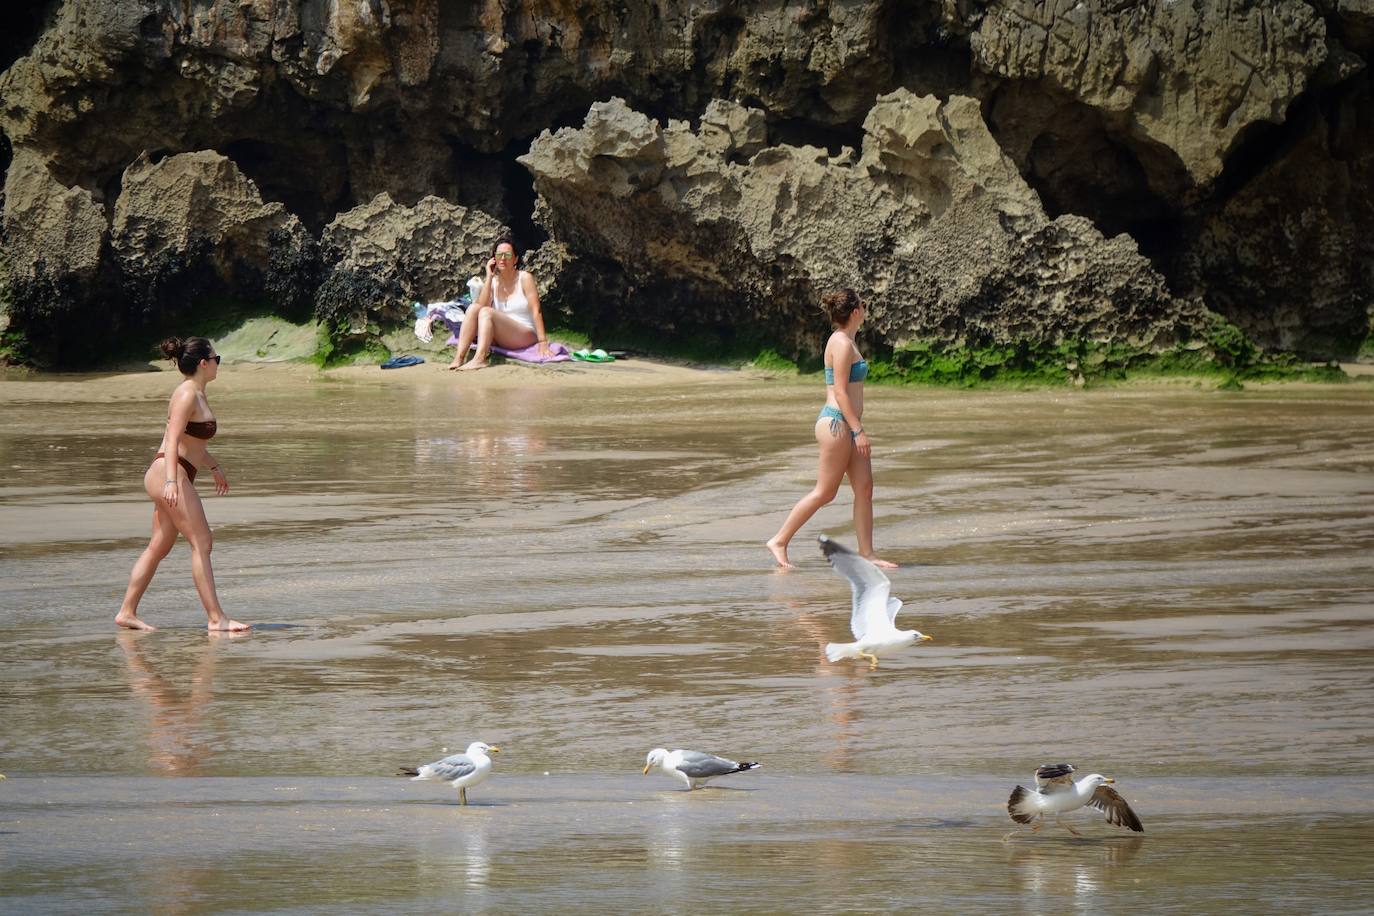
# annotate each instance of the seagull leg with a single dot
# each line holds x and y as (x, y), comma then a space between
(872, 660)
(1039, 822)
(462, 795)
(1061, 823)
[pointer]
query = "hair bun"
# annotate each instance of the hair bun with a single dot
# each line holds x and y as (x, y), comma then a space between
(172, 348)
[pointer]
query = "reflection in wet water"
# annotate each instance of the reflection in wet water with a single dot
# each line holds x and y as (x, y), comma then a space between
(1183, 579)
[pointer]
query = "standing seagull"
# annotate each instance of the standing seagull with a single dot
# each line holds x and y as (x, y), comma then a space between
(1056, 792)
(693, 767)
(873, 618)
(459, 770)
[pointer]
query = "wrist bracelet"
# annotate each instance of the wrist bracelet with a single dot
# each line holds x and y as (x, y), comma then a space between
(214, 467)
(169, 483)
(858, 432)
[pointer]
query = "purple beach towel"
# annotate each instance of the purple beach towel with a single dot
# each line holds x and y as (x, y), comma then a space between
(558, 353)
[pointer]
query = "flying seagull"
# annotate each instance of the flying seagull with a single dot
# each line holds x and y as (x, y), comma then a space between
(693, 767)
(459, 770)
(1056, 791)
(873, 618)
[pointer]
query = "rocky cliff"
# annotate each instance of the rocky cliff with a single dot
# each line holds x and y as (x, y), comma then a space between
(1005, 173)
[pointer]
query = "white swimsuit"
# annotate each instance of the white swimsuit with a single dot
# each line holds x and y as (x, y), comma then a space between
(517, 306)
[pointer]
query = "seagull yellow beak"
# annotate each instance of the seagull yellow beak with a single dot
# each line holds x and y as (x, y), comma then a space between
(925, 638)
(646, 768)
(493, 750)
(1108, 779)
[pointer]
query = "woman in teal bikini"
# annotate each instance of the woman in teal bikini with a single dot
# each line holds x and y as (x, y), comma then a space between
(844, 445)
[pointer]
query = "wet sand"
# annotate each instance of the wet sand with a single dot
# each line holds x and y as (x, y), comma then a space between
(570, 566)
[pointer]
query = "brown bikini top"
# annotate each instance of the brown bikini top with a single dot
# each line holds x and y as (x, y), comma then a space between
(202, 429)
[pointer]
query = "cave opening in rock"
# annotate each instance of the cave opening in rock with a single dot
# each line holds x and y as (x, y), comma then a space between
(310, 181)
(520, 196)
(20, 26)
(1079, 163)
(833, 138)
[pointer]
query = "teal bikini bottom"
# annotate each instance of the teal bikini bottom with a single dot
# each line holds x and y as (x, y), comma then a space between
(836, 417)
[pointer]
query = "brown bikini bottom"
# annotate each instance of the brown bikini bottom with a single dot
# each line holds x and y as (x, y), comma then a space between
(190, 468)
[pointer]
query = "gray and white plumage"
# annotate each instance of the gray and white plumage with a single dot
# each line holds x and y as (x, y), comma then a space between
(469, 768)
(873, 616)
(693, 767)
(1057, 792)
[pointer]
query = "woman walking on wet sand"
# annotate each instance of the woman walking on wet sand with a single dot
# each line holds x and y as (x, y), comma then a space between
(170, 484)
(844, 445)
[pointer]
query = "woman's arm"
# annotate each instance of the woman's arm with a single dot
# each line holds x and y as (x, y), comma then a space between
(532, 297)
(484, 294)
(178, 413)
(221, 479)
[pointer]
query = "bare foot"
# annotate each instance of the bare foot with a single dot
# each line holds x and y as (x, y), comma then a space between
(225, 625)
(779, 552)
(456, 364)
(473, 364)
(881, 564)
(131, 622)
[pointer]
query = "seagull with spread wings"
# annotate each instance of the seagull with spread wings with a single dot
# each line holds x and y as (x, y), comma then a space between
(1056, 792)
(693, 767)
(874, 615)
(459, 770)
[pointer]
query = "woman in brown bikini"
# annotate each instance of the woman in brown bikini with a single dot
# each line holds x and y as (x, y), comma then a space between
(171, 485)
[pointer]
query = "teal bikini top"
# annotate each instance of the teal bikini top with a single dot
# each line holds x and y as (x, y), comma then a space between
(857, 372)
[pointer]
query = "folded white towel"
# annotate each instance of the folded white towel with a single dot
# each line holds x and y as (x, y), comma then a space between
(422, 329)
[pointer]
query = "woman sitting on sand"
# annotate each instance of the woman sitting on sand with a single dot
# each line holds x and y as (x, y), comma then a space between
(170, 484)
(844, 445)
(505, 312)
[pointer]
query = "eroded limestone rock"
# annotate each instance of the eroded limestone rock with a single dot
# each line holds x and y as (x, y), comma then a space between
(930, 221)
(48, 222)
(171, 205)
(429, 250)
(1189, 76)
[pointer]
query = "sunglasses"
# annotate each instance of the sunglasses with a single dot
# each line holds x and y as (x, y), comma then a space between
(505, 256)
(216, 358)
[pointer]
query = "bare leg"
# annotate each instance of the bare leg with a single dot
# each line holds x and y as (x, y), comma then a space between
(861, 481)
(189, 516)
(164, 536)
(466, 332)
(496, 327)
(834, 457)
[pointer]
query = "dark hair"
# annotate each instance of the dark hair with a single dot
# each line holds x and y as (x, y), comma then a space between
(507, 240)
(187, 353)
(840, 304)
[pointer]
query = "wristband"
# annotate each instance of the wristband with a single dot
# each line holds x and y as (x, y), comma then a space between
(858, 432)
(169, 483)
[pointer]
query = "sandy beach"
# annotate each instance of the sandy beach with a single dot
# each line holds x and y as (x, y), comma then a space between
(568, 562)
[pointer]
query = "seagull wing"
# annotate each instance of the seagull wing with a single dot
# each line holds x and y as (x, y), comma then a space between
(1054, 777)
(893, 606)
(703, 766)
(455, 767)
(1119, 814)
(870, 612)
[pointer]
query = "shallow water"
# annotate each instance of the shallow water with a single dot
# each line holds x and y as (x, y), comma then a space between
(1173, 587)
